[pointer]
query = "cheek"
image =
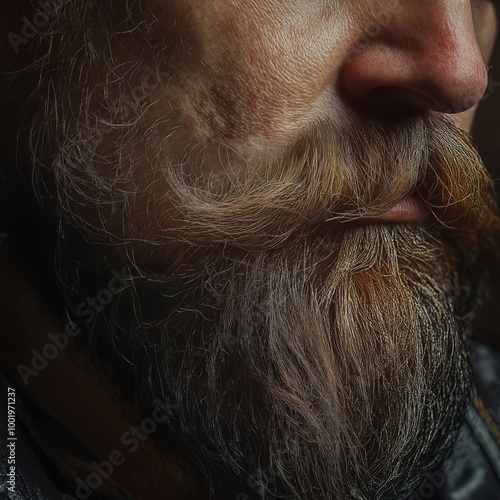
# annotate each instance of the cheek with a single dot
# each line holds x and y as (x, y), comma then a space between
(256, 74)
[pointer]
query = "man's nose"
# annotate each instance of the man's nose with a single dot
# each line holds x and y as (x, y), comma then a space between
(424, 56)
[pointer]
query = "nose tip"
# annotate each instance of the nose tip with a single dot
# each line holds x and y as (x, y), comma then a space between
(430, 64)
(463, 84)
(468, 91)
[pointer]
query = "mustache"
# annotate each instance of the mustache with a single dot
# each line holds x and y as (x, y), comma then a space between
(284, 303)
(337, 175)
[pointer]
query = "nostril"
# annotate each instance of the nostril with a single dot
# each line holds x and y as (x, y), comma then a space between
(444, 89)
(433, 65)
(391, 101)
(395, 97)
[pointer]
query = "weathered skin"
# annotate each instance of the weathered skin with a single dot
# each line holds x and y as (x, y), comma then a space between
(256, 73)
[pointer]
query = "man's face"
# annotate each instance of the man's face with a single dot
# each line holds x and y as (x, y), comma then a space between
(215, 88)
(306, 231)
(256, 74)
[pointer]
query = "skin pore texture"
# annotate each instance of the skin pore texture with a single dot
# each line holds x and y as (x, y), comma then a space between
(240, 159)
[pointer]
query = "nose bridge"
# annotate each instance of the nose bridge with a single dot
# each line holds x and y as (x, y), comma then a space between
(421, 51)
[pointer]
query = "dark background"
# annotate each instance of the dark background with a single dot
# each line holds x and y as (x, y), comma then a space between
(486, 132)
(486, 128)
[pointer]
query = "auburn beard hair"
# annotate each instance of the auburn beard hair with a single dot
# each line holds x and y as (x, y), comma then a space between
(311, 351)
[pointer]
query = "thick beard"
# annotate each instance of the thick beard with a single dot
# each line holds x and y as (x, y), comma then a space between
(334, 368)
(310, 356)
(328, 362)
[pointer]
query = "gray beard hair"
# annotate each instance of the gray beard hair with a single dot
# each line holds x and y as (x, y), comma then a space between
(307, 358)
(334, 368)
